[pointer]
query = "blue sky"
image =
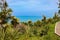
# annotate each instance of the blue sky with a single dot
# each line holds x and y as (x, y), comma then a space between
(33, 7)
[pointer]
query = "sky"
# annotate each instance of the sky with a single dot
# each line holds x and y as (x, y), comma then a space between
(33, 7)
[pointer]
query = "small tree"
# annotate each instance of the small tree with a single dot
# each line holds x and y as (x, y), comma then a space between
(38, 23)
(6, 17)
(30, 23)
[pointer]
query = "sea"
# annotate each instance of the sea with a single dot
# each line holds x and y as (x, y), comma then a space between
(27, 18)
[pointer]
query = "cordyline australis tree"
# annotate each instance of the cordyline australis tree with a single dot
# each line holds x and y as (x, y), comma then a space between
(5, 16)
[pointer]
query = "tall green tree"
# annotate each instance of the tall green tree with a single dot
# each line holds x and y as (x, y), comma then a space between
(6, 15)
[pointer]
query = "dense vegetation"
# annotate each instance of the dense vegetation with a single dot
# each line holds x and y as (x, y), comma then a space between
(12, 29)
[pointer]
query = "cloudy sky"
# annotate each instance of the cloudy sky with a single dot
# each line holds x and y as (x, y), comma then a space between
(33, 7)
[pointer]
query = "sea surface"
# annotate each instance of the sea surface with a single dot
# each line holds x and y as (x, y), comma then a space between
(27, 18)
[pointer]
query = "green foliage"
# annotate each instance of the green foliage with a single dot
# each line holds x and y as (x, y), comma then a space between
(30, 23)
(12, 29)
(38, 23)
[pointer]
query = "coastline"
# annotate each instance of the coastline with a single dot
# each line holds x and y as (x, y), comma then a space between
(32, 18)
